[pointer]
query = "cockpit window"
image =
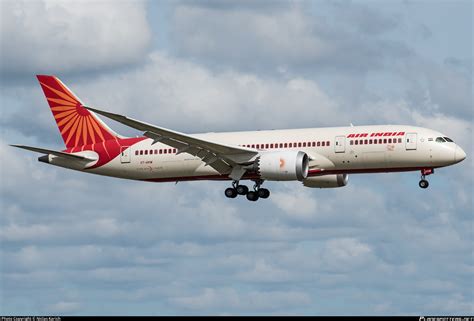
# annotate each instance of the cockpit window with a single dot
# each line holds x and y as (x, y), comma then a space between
(440, 140)
(448, 139)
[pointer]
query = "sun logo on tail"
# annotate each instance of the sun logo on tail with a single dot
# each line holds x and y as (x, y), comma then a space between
(77, 125)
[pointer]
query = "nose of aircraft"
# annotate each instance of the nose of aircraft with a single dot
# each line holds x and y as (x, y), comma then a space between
(459, 154)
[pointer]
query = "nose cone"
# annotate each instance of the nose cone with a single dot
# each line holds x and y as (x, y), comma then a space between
(459, 155)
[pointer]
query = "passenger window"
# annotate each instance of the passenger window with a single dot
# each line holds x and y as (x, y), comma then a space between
(385, 141)
(304, 144)
(161, 151)
(327, 143)
(286, 145)
(361, 142)
(299, 144)
(356, 142)
(146, 152)
(290, 145)
(352, 142)
(399, 140)
(366, 142)
(389, 140)
(165, 151)
(319, 144)
(136, 152)
(281, 145)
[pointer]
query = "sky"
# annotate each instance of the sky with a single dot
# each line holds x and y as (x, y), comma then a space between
(74, 243)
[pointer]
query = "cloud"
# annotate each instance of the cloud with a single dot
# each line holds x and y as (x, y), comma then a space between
(264, 272)
(447, 86)
(285, 37)
(346, 254)
(72, 242)
(226, 299)
(299, 203)
(173, 92)
(64, 307)
(83, 36)
(189, 239)
(364, 18)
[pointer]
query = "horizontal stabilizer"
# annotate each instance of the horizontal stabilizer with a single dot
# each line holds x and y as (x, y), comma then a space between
(55, 153)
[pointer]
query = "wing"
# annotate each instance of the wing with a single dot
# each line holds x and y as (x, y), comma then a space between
(55, 153)
(226, 159)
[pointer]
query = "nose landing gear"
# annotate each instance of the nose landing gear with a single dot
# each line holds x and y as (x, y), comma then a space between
(423, 182)
(253, 196)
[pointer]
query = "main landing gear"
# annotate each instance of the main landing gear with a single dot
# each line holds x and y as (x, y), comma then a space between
(423, 182)
(253, 196)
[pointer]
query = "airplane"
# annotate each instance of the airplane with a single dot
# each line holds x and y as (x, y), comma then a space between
(317, 157)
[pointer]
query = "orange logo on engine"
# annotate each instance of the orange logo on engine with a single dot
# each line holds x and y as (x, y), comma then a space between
(282, 162)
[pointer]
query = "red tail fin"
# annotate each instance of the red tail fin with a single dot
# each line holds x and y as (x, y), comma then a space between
(77, 125)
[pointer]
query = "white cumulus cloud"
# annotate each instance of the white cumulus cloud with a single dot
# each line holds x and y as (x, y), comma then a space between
(71, 36)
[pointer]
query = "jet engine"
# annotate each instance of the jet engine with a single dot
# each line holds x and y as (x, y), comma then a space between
(283, 166)
(326, 181)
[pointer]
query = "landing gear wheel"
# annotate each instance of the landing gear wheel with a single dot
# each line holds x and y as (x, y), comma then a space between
(263, 193)
(231, 192)
(252, 196)
(242, 189)
(424, 183)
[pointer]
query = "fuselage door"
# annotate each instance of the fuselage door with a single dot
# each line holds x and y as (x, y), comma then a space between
(340, 144)
(410, 143)
(125, 154)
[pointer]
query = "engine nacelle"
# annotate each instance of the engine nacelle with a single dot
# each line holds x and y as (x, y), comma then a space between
(326, 181)
(283, 166)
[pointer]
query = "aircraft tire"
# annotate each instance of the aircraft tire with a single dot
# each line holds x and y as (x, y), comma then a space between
(242, 189)
(263, 193)
(230, 192)
(252, 196)
(424, 183)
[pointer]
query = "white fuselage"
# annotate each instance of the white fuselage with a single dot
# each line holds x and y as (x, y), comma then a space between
(357, 149)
